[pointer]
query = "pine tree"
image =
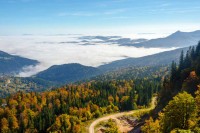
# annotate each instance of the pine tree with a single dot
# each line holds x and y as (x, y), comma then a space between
(193, 53)
(181, 62)
(197, 52)
(187, 61)
(173, 71)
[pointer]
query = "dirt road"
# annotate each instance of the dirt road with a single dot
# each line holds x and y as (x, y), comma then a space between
(114, 116)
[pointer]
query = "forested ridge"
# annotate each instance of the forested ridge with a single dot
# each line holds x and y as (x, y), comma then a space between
(148, 72)
(179, 99)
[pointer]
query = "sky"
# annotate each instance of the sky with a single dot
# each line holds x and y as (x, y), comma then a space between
(103, 17)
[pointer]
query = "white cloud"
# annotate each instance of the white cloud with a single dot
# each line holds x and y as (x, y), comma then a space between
(84, 14)
(90, 14)
(49, 51)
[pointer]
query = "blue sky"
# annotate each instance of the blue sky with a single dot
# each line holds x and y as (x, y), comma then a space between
(98, 16)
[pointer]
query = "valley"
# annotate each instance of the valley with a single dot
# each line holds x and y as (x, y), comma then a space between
(115, 97)
(99, 66)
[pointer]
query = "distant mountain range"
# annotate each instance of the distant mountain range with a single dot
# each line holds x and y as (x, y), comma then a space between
(68, 73)
(177, 39)
(163, 58)
(11, 64)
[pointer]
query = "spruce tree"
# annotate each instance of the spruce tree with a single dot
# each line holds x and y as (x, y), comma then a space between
(181, 62)
(173, 71)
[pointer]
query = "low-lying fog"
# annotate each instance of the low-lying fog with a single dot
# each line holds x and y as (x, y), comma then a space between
(63, 49)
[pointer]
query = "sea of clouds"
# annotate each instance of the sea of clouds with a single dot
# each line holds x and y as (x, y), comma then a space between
(62, 49)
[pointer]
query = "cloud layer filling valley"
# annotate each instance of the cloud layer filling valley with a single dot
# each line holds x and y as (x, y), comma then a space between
(63, 49)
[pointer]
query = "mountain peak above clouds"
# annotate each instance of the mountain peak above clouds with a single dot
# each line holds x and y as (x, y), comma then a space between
(178, 39)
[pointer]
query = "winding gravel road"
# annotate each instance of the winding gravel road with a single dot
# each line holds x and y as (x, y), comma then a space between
(114, 116)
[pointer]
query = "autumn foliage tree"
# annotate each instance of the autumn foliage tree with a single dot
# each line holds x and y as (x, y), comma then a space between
(151, 126)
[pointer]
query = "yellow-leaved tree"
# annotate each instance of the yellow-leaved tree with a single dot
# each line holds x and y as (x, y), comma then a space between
(151, 126)
(180, 113)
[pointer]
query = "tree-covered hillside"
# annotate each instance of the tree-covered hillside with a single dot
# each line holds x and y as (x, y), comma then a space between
(163, 58)
(11, 85)
(134, 73)
(184, 76)
(68, 73)
(10, 64)
(67, 108)
(179, 97)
